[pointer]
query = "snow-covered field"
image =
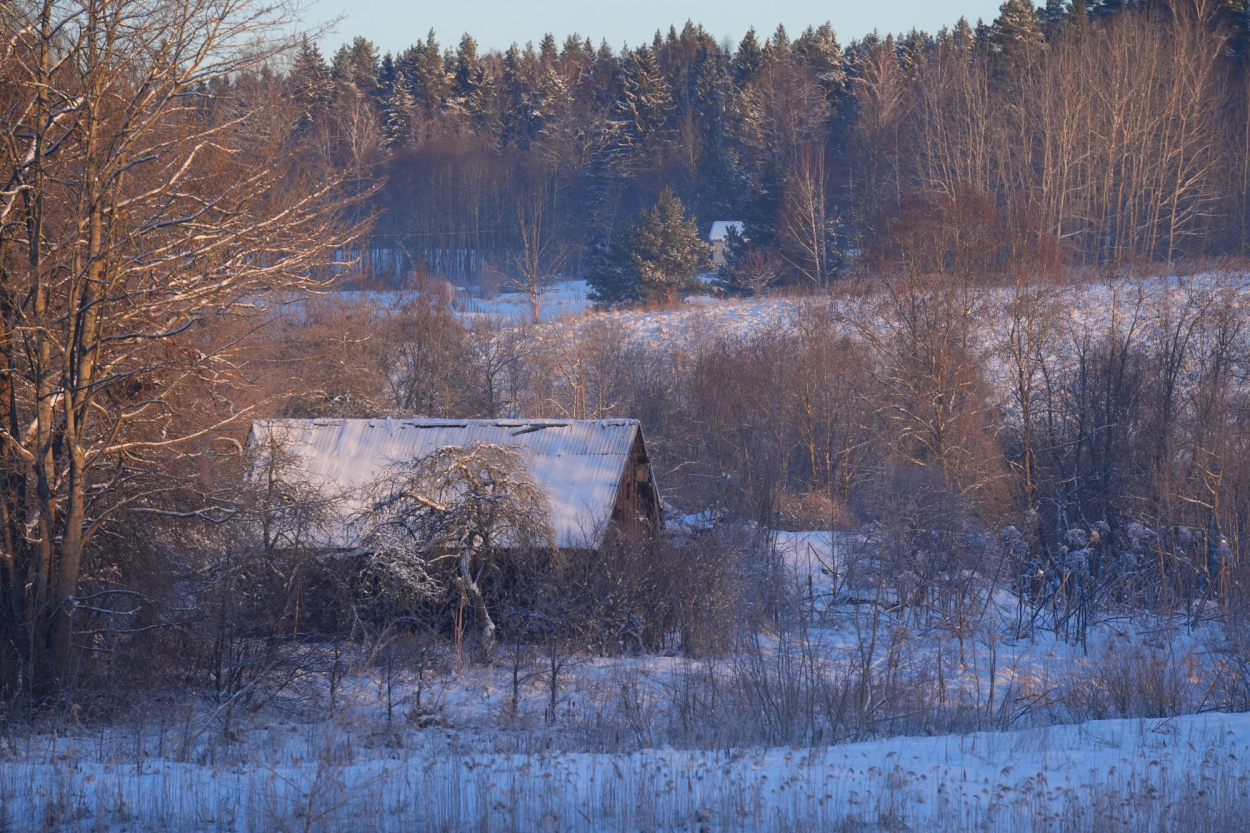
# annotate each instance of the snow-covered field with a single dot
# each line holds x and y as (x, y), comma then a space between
(651, 743)
(1182, 773)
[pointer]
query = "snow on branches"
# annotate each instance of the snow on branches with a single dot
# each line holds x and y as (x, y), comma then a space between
(442, 521)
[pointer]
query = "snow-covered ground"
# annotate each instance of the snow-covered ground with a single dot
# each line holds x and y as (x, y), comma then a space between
(668, 743)
(561, 299)
(1104, 775)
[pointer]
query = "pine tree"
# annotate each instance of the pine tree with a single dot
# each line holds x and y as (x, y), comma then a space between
(656, 258)
(818, 49)
(667, 252)
(1017, 33)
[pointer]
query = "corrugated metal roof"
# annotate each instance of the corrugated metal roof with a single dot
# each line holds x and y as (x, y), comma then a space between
(577, 463)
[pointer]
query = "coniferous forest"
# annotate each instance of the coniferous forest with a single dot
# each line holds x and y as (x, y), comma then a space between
(1092, 133)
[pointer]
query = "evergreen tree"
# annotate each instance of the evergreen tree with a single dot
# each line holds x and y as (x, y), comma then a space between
(548, 52)
(428, 73)
(386, 75)
(468, 68)
(1017, 33)
(1053, 16)
(552, 105)
(748, 58)
(401, 112)
(910, 51)
(646, 103)
(469, 85)
(310, 81)
(515, 103)
(574, 50)
(781, 41)
(656, 258)
(1235, 16)
(818, 49)
(611, 276)
(963, 35)
(356, 65)
(667, 252)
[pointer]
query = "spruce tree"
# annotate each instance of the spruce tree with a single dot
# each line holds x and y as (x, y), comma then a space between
(1053, 16)
(781, 41)
(468, 68)
(428, 74)
(646, 98)
(548, 52)
(611, 276)
(356, 65)
(552, 104)
(963, 35)
(401, 112)
(748, 58)
(310, 81)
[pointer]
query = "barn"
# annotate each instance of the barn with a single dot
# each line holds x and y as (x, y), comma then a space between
(596, 474)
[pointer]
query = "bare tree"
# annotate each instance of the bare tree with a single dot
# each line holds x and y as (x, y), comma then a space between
(537, 249)
(148, 189)
(445, 520)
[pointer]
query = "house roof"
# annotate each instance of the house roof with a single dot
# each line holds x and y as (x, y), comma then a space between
(578, 464)
(720, 229)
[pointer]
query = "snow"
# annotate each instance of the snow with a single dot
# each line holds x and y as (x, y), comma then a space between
(1133, 770)
(616, 756)
(578, 464)
(720, 229)
(559, 300)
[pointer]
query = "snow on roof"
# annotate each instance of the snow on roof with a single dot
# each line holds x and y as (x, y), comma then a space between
(720, 229)
(578, 464)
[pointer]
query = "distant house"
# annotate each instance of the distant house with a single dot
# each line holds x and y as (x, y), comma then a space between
(719, 238)
(595, 473)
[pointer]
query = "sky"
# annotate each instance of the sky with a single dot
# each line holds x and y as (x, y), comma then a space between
(394, 25)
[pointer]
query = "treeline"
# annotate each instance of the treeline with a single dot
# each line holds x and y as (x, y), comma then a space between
(1110, 132)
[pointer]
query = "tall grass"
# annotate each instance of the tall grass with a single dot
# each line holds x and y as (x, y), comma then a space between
(937, 784)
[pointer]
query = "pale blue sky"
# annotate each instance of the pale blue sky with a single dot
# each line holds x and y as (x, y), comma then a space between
(395, 24)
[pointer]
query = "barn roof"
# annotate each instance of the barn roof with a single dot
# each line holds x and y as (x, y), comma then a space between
(578, 464)
(720, 229)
